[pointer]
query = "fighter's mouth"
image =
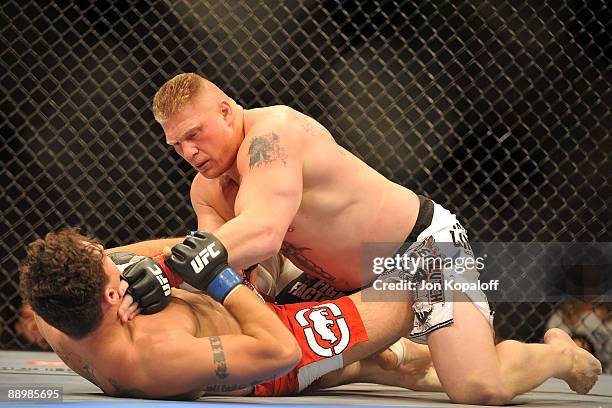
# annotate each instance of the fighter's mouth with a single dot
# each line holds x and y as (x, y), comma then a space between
(201, 166)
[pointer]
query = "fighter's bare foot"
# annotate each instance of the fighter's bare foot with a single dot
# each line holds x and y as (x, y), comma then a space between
(415, 358)
(585, 369)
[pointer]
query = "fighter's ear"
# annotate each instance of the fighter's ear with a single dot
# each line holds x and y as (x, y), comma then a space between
(112, 295)
(226, 111)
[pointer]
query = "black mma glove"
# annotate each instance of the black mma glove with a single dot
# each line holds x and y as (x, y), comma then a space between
(201, 260)
(148, 283)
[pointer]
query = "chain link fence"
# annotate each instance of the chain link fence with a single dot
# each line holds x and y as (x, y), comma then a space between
(498, 110)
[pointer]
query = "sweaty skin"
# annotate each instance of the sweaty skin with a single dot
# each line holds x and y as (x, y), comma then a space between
(326, 201)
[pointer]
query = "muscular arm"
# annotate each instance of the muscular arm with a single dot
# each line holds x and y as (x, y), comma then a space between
(181, 363)
(270, 164)
(149, 248)
(208, 218)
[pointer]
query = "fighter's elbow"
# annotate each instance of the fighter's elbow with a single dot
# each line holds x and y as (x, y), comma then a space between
(271, 240)
(290, 354)
(296, 353)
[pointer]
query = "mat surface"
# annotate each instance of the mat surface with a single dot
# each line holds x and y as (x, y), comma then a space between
(20, 368)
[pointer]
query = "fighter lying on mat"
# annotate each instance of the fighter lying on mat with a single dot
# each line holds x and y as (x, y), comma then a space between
(194, 345)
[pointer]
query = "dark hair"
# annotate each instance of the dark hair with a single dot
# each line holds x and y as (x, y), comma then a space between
(63, 280)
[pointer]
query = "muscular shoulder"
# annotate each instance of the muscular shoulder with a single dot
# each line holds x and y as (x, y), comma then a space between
(278, 132)
(139, 373)
(282, 117)
(275, 112)
(149, 346)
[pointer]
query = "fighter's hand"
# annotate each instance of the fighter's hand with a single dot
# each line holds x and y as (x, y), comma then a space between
(128, 308)
(148, 285)
(201, 260)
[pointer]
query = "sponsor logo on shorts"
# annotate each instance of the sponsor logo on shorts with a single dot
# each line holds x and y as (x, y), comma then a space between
(422, 311)
(308, 289)
(325, 328)
(460, 239)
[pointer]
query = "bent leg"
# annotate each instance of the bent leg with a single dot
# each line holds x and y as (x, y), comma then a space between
(473, 370)
(385, 323)
(368, 371)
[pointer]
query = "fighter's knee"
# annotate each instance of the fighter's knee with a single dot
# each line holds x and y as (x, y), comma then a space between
(480, 392)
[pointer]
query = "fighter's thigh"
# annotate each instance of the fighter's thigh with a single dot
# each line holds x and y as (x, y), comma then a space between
(385, 323)
(463, 353)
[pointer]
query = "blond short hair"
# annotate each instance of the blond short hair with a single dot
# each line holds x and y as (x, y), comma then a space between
(175, 94)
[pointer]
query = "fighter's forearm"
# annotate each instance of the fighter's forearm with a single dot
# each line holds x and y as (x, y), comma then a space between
(149, 248)
(258, 321)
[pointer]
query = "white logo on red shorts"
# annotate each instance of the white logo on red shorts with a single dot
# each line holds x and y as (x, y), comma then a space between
(325, 329)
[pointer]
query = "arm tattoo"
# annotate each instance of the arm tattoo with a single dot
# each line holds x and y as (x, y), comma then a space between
(265, 149)
(218, 357)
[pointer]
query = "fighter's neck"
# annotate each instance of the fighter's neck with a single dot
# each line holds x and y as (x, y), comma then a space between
(110, 328)
(239, 124)
(240, 132)
(233, 174)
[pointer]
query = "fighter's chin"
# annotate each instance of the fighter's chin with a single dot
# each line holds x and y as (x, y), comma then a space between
(209, 173)
(205, 173)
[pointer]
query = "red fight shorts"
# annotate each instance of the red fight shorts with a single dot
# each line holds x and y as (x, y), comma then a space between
(324, 330)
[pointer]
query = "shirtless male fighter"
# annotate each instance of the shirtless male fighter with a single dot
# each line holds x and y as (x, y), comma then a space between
(273, 179)
(228, 342)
